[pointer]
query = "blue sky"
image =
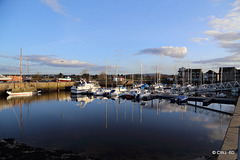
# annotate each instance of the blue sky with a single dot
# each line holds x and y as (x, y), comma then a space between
(72, 35)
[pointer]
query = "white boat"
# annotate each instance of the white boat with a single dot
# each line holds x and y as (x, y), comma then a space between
(181, 99)
(158, 86)
(22, 92)
(133, 93)
(121, 89)
(67, 79)
(84, 88)
(144, 94)
(5, 78)
(221, 95)
(10, 93)
(114, 93)
(190, 88)
(235, 90)
(101, 92)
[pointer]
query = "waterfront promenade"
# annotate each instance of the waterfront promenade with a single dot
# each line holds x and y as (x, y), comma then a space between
(230, 144)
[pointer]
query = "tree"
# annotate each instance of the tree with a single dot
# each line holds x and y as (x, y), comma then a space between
(60, 75)
(85, 74)
(102, 76)
(38, 76)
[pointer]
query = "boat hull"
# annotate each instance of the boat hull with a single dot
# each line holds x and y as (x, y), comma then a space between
(75, 91)
(21, 93)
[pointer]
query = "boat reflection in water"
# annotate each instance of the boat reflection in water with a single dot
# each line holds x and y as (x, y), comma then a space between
(113, 128)
(83, 99)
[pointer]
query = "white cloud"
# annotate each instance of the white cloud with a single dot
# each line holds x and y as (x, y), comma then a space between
(55, 62)
(54, 5)
(174, 52)
(230, 22)
(223, 36)
(226, 34)
(199, 39)
(223, 61)
(51, 60)
(57, 7)
(7, 69)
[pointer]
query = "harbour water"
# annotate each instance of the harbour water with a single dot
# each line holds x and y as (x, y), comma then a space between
(114, 128)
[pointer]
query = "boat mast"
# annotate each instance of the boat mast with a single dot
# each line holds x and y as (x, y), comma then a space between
(159, 76)
(132, 77)
(157, 73)
(183, 71)
(116, 74)
(155, 78)
(202, 72)
(221, 74)
(106, 75)
(188, 73)
(212, 75)
(141, 74)
(21, 66)
(176, 75)
(191, 73)
(27, 67)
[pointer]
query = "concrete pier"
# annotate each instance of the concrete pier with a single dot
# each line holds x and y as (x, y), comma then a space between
(230, 144)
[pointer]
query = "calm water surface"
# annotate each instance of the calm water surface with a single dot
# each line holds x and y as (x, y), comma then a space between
(114, 128)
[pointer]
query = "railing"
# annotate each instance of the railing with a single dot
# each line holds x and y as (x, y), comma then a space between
(223, 86)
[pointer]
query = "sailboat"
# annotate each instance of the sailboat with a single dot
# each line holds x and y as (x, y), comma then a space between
(21, 91)
(11, 93)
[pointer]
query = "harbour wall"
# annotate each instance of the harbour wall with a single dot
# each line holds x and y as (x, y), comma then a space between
(6, 103)
(28, 86)
(230, 146)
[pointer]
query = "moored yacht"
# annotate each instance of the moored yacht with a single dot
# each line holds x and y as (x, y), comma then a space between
(133, 93)
(144, 94)
(84, 88)
(101, 92)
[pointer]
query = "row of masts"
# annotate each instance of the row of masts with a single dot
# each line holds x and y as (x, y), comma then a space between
(157, 76)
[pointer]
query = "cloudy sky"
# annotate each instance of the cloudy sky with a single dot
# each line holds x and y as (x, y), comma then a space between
(72, 35)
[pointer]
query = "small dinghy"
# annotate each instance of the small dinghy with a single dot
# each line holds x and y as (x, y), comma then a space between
(181, 99)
